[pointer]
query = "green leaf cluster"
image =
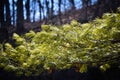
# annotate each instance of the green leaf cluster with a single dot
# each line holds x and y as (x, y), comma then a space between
(75, 44)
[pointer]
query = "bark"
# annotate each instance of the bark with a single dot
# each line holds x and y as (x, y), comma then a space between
(72, 4)
(59, 10)
(34, 9)
(2, 21)
(13, 12)
(20, 17)
(47, 7)
(27, 6)
(52, 8)
(8, 17)
(40, 9)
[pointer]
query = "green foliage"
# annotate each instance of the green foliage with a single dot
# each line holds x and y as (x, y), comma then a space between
(62, 47)
(83, 68)
(104, 67)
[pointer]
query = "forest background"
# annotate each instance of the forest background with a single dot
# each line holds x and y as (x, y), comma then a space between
(23, 15)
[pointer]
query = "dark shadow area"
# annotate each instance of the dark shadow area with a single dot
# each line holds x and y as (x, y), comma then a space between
(69, 74)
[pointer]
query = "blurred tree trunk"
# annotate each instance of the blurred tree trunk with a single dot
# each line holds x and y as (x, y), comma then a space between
(59, 10)
(5, 18)
(85, 6)
(72, 4)
(34, 9)
(8, 17)
(51, 12)
(52, 8)
(40, 9)
(47, 8)
(2, 21)
(27, 6)
(43, 10)
(59, 5)
(20, 17)
(13, 12)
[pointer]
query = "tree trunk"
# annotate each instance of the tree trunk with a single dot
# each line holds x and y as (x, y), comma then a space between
(3, 30)
(59, 10)
(34, 9)
(40, 9)
(47, 7)
(44, 9)
(2, 21)
(52, 8)
(20, 17)
(72, 4)
(13, 12)
(8, 17)
(27, 6)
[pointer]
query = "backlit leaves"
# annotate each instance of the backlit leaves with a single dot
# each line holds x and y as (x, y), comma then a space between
(62, 47)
